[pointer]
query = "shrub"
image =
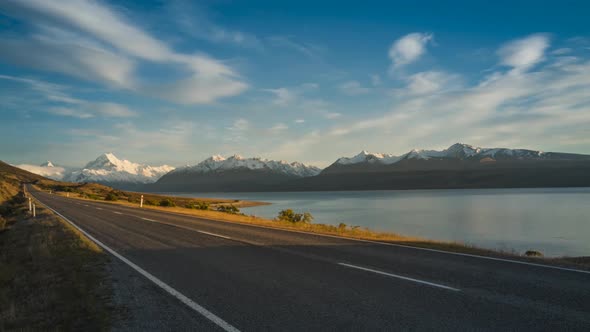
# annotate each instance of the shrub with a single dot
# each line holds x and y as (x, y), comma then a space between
(93, 196)
(111, 197)
(197, 205)
(2, 223)
(167, 202)
(150, 202)
(228, 209)
(533, 253)
(290, 216)
(341, 227)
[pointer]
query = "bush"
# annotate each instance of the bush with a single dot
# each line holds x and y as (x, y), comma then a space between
(228, 209)
(533, 253)
(111, 197)
(2, 223)
(290, 216)
(167, 202)
(150, 202)
(197, 205)
(93, 196)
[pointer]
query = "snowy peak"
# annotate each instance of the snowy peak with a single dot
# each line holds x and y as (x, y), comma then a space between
(367, 157)
(219, 163)
(47, 164)
(108, 168)
(458, 151)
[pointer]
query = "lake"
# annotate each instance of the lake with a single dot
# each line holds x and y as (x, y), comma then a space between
(555, 221)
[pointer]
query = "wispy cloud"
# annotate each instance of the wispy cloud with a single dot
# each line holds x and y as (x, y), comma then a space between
(107, 48)
(506, 108)
(307, 49)
(524, 53)
(353, 88)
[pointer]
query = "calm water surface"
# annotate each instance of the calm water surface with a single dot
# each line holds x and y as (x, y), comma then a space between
(554, 221)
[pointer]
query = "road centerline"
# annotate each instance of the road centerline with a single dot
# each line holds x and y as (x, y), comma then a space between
(400, 277)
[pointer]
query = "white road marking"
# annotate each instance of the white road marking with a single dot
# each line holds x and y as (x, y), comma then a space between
(115, 212)
(400, 277)
(191, 229)
(507, 260)
(213, 234)
(190, 303)
(86, 205)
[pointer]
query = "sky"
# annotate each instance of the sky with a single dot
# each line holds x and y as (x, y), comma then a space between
(177, 81)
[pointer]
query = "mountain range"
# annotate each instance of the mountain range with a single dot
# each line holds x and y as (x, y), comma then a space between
(458, 166)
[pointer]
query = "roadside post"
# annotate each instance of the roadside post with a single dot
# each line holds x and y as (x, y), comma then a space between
(141, 201)
(30, 205)
(34, 211)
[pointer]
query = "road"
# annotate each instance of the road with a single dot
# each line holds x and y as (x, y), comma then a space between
(248, 278)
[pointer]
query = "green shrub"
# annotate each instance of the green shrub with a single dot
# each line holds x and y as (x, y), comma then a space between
(93, 196)
(111, 197)
(228, 209)
(197, 205)
(150, 202)
(290, 216)
(167, 202)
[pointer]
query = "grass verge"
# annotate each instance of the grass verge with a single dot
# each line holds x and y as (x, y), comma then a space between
(51, 276)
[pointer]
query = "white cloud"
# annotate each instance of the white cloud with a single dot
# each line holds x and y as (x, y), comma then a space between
(106, 48)
(240, 125)
(524, 53)
(88, 110)
(409, 48)
(353, 88)
(428, 82)
(299, 120)
(283, 96)
(286, 96)
(513, 109)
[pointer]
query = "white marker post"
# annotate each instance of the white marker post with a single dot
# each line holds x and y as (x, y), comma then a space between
(30, 205)
(141, 202)
(34, 211)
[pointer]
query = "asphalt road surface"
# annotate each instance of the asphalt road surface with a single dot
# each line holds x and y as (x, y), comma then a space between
(248, 278)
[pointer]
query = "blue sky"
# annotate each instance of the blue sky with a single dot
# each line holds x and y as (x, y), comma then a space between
(176, 81)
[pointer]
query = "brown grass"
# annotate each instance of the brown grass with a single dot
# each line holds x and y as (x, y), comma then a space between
(51, 277)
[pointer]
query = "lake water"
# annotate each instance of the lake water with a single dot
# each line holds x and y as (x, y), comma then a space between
(553, 221)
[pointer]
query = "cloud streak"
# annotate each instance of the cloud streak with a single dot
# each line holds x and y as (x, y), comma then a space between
(107, 49)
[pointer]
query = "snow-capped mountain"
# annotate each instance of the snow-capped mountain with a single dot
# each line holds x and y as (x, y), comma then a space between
(235, 173)
(456, 151)
(219, 163)
(109, 169)
(46, 169)
(367, 157)
(457, 156)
